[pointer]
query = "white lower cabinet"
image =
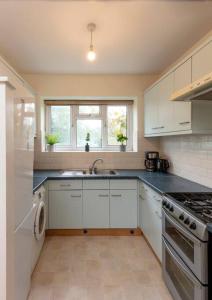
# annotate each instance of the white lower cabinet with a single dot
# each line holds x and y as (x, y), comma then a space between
(123, 208)
(95, 208)
(65, 209)
(150, 219)
(99, 204)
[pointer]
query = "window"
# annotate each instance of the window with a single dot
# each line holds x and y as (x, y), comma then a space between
(72, 122)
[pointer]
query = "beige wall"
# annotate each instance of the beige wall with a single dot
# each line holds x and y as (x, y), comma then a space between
(92, 85)
(190, 157)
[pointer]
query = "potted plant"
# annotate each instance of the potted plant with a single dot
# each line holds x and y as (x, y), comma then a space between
(87, 139)
(121, 138)
(51, 140)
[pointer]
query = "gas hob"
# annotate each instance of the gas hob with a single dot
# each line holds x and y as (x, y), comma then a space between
(192, 210)
(200, 204)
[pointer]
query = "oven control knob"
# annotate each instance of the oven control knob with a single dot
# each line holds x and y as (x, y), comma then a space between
(171, 209)
(167, 205)
(164, 202)
(181, 217)
(193, 226)
(187, 221)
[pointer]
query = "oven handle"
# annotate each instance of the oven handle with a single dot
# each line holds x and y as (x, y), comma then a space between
(187, 234)
(182, 266)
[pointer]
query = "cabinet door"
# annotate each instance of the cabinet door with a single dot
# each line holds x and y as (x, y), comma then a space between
(96, 208)
(123, 209)
(166, 107)
(182, 110)
(150, 111)
(202, 62)
(65, 209)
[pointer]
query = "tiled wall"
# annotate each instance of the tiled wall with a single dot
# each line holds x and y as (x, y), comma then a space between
(190, 157)
(100, 86)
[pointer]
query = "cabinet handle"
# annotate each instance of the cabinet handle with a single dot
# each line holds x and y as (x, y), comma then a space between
(116, 195)
(184, 123)
(160, 127)
(76, 196)
(100, 195)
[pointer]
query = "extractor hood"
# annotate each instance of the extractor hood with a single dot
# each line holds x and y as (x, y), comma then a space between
(198, 90)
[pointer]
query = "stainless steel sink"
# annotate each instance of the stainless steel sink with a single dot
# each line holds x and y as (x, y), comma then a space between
(97, 172)
(105, 172)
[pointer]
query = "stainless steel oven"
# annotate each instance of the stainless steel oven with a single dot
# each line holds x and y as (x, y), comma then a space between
(189, 248)
(181, 282)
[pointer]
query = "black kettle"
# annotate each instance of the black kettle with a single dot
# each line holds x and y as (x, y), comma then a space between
(162, 165)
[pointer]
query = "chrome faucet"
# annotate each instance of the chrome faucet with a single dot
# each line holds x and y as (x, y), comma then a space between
(92, 167)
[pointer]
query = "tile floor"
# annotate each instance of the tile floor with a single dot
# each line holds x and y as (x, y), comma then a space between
(97, 268)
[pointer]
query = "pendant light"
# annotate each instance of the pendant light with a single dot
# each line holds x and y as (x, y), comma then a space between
(91, 55)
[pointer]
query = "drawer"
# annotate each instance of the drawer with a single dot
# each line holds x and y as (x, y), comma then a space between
(65, 185)
(96, 184)
(123, 184)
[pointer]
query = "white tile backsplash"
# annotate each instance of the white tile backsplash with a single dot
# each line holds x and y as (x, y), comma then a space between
(190, 156)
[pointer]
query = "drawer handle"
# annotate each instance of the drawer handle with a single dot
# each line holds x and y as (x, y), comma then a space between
(184, 123)
(103, 195)
(116, 195)
(63, 185)
(76, 196)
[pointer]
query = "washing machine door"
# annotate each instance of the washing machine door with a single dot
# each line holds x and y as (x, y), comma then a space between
(40, 221)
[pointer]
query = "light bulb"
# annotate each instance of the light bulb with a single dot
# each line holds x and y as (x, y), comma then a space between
(91, 55)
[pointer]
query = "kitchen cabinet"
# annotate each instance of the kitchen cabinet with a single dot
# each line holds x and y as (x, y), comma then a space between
(65, 209)
(150, 111)
(157, 107)
(92, 203)
(182, 110)
(202, 62)
(123, 208)
(164, 117)
(95, 208)
(150, 219)
(165, 106)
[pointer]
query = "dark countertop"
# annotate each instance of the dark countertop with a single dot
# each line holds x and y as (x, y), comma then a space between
(161, 182)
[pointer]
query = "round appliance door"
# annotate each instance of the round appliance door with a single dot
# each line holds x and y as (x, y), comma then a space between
(40, 221)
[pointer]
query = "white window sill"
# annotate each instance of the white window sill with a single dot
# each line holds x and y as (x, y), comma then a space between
(94, 151)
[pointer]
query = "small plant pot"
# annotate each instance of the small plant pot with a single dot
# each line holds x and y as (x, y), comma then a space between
(50, 148)
(87, 147)
(123, 148)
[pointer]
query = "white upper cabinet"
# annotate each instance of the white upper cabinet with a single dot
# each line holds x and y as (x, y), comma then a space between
(165, 117)
(165, 107)
(151, 111)
(182, 110)
(202, 62)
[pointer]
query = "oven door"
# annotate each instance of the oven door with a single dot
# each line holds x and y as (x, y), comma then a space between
(190, 249)
(181, 282)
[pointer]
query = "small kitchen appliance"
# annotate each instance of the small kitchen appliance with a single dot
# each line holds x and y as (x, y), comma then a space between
(187, 265)
(162, 165)
(151, 158)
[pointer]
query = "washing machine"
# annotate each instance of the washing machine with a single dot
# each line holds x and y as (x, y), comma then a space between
(39, 226)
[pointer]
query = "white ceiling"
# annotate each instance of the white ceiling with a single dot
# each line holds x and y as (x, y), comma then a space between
(131, 36)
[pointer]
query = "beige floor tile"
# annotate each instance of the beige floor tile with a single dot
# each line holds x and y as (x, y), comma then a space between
(97, 268)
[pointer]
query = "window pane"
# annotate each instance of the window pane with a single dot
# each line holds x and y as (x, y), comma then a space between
(94, 127)
(89, 110)
(117, 122)
(60, 123)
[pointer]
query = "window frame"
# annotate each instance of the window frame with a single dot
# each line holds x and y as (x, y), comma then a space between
(75, 115)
